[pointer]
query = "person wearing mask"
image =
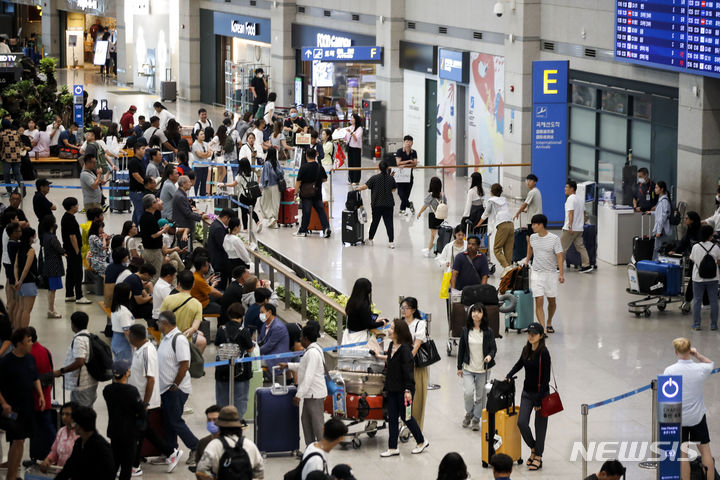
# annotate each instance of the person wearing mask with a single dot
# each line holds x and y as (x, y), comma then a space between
(294, 123)
(92, 456)
(163, 114)
(127, 121)
(278, 140)
(452, 467)
(72, 242)
(354, 138)
(201, 154)
(498, 212)
(229, 434)
(233, 332)
(144, 377)
(311, 383)
(705, 282)
(312, 175)
(469, 267)
(19, 379)
(54, 130)
(270, 179)
(315, 457)
(476, 356)
(137, 180)
(535, 359)
(259, 89)
(610, 470)
(11, 153)
(218, 255)
(574, 226)
(26, 275)
(547, 269)
(432, 200)
(260, 297)
(64, 441)
(695, 369)
(359, 310)
(382, 201)
(405, 158)
(273, 337)
(502, 466)
(121, 319)
(52, 266)
(533, 201)
(645, 197)
(662, 230)
(419, 332)
(400, 387)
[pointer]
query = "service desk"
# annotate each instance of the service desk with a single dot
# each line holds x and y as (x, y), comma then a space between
(616, 230)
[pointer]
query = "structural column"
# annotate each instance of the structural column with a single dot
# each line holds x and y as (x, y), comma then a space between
(390, 29)
(522, 46)
(282, 54)
(189, 47)
(50, 28)
(124, 46)
(698, 159)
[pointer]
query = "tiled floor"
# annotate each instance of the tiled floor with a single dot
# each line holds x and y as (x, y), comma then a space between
(600, 349)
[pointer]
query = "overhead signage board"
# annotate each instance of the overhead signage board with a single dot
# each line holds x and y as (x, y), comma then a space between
(342, 54)
(454, 65)
(241, 26)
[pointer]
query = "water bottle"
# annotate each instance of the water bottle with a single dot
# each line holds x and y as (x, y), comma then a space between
(408, 409)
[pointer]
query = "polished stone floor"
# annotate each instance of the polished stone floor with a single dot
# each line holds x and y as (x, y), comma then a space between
(599, 351)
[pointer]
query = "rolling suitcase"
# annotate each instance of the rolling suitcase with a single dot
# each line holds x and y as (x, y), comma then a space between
(444, 236)
(155, 420)
(363, 382)
(315, 224)
(505, 435)
(520, 245)
(120, 187)
(353, 232)
(456, 322)
(168, 91)
(360, 407)
(277, 419)
(524, 313)
(288, 214)
(643, 245)
(669, 274)
(493, 314)
(572, 256)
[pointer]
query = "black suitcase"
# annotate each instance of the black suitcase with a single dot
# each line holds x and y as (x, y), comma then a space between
(104, 113)
(520, 245)
(485, 294)
(353, 232)
(120, 188)
(168, 91)
(572, 256)
(354, 201)
(444, 236)
(643, 246)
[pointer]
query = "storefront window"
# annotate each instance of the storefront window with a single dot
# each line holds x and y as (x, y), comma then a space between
(584, 95)
(343, 84)
(614, 102)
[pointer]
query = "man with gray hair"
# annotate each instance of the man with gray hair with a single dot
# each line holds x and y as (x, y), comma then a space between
(151, 234)
(184, 215)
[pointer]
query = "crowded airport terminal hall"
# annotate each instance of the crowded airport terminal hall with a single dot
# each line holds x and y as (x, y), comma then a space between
(317, 240)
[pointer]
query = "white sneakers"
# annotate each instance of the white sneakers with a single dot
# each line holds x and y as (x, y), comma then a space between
(390, 453)
(369, 241)
(421, 447)
(395, 452)
(174, 459)
(259, 227)
(83, 301)
(391, 245)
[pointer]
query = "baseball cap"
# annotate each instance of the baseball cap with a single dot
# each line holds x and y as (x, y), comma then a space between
(42, 182)
(119, 367)
(164, 221)
(536, 328)
(133, 108)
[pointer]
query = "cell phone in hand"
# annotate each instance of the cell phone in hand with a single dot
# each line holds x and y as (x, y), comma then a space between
(372, 352)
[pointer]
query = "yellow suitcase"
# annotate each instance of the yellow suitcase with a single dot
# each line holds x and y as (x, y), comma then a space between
(507, 430)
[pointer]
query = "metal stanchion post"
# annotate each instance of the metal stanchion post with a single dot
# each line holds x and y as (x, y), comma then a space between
(654, 429)
(330, 181)
(231, 381)
(584, 413)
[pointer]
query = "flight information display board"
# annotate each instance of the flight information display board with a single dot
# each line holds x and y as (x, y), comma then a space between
(681, 35)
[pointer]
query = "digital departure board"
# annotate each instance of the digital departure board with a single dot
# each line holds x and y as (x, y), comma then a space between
(681, 35)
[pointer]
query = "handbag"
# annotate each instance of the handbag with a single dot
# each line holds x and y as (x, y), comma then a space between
(310, 190)
(427, 354)
(445, 284)
(551, 404)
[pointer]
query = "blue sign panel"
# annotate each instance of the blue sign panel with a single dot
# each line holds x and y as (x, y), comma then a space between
(241, 26)
(680, 35)
(454, 65)
(324, 37)
(549, 135)
(669, 395)
(78, 105)
(341, 54)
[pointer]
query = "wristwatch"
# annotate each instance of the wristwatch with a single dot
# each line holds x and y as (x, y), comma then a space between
(62, 370)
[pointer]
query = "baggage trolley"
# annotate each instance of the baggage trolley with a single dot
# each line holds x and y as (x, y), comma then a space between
(656, 297)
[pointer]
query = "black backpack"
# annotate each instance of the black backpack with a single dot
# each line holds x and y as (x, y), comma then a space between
(234, 462)
(707, 268)
(296, 473)
(674, 218)
(99, 366)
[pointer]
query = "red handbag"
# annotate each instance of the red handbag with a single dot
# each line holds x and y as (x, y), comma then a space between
(551, 404)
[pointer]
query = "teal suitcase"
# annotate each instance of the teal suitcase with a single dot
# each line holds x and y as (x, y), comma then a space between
(524, 313)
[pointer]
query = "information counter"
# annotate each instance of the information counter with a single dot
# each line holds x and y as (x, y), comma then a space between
(616, 230)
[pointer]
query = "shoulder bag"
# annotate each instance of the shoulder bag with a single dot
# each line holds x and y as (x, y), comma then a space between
(310, 190)
(281, 183)
(552, 403)
(427, 354)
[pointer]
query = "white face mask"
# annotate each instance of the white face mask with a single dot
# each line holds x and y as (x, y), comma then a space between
(641, 180)
(263, 317)
(125, 264)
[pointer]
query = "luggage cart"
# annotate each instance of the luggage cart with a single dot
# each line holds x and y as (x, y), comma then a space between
(656, 295)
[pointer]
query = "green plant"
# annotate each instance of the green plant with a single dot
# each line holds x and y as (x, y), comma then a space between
(47, 66)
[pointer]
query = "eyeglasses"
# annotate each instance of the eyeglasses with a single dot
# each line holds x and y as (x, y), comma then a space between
(405, 307)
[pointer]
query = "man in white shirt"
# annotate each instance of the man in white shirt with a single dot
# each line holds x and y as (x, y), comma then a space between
(572, 230)
(82, 386)
(143, 376)
(55, 129)
(202, 123)
(175, 386)
(230, 432)
(694, 421)
(533, 202)
(163, 287)
(311, 383)
(315, 457)
(547, 268)
(154, 130)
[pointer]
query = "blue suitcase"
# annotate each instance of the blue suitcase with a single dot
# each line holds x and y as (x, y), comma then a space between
(524, 313)
(520, 244)
(572, 256)
(669, 273)
(277, 419)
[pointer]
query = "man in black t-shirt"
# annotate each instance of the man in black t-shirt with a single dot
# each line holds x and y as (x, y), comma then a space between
(72, 243)
(137, 179)
(259, 89)
(41, 205)
(406, 158)
(312, 173)
(141, 289)
(15, 201)
(151, 233)
(18, 380)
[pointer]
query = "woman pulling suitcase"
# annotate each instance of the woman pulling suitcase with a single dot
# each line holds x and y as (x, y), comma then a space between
(535, 359)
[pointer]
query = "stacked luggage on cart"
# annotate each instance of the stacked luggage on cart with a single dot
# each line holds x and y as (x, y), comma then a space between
(661, 282)
(460, 304)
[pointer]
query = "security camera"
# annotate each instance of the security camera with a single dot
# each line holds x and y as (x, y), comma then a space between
(499, 9)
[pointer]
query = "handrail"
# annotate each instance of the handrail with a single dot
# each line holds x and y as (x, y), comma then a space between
(435, 167)
(305, 287)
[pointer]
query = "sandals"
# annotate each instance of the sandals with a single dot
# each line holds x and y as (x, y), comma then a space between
(550, 329)
(535, 464)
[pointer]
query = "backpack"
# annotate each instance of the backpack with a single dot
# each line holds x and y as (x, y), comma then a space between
(252, 190)
(229, 145)
(243, 371)
(234, 462)
(99, 365)
(194, 132)
(675, 217)
(707, 268)
(260, 111)
(197, 363)
(296, 473)
(441, 212)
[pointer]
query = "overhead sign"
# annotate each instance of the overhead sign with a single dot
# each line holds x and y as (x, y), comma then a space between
(549, 134)
(454, 65)
(241, 26)
(669, 396)
(78, 105)
(342, 54)
(325, 37)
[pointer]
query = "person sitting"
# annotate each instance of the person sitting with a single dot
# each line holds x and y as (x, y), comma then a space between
(610, 470)
(92, 457)
(98, 243)
(141, 288)
(234, 291)
(64, 441)
(359, 309)
(203, 290)
(261, 296)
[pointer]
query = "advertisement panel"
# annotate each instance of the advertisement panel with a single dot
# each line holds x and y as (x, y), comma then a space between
(446, 124)
(414, 111)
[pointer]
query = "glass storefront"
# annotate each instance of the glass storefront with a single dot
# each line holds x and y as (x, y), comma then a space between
(346, 84)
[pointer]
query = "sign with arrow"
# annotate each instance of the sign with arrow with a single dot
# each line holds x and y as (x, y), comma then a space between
(342, 54)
